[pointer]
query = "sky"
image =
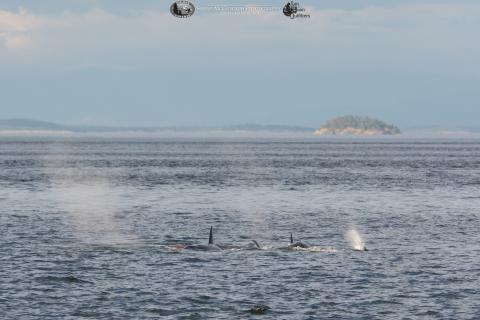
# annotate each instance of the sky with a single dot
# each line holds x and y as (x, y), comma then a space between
(131, 63)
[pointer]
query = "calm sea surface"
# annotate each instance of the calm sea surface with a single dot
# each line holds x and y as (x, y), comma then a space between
(89, 229)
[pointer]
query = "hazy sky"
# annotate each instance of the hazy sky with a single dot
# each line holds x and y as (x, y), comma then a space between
(412, 63)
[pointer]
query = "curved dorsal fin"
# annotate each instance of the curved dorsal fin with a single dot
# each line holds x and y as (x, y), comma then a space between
(291, 238)
(210, 238)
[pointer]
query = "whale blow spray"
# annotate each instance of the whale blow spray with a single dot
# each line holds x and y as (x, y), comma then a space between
(88, 200)
(353, 237)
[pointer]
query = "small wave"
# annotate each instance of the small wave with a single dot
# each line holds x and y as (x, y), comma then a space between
(161, 312)
(64, 279)
(316, 249)
(194, 260)
(232, 249)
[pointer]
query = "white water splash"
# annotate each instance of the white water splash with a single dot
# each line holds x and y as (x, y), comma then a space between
(353, 237)
(316, 249)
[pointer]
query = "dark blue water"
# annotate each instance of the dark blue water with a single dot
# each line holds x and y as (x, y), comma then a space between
(88, 229)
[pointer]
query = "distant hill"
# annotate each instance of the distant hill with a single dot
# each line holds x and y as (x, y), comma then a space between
(35, 125)
(276, 128)
(357, 126)
(28, 124)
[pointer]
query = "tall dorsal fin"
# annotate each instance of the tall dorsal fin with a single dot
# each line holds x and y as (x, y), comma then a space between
(210, 238)
(291, 238)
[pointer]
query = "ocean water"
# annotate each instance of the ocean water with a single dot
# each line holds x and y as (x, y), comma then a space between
(89, 229)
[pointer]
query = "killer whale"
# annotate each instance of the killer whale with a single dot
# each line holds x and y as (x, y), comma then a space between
(255, 243)
(211, 246)
(202, 247)
(296, 245)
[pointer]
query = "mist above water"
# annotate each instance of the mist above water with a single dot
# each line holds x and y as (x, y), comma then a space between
(89, 202)
(354, 239)
(91, 209)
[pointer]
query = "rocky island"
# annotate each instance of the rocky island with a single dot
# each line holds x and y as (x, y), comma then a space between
(356, 126)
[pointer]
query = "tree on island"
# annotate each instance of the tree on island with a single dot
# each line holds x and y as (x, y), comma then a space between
(355, 125)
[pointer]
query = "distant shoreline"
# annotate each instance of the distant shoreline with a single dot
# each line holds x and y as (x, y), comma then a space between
(259, 135)
(33, 128)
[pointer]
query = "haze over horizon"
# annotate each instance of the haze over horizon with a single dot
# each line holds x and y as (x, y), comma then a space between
(410, 63)
(34, 124)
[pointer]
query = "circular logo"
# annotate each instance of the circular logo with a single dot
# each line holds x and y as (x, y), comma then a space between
(182, 9)
(290, 9)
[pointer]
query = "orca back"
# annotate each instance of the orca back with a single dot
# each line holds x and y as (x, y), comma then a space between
(297, 244)
(210, 238)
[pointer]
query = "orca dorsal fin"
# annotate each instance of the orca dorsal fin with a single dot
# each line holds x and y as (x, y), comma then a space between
(291, 238)
(256, 244)
(210, 238)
